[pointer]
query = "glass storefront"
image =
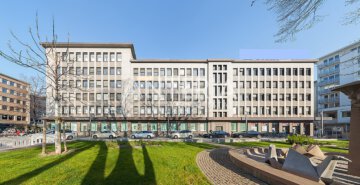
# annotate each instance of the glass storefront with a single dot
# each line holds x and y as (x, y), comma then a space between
(243, 127)
(113, 127)
(233, 127)
(134, 127)
(163, 127)
(93, 127)
(153, 127)
(73, 127)
(173, 126)
(124, 127)
(84, 127)
(192, 126)
(202, 127)
(183, 126)
(144, 126)
(104, 127)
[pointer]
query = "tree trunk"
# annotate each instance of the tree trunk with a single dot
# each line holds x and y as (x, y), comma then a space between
(64, 135)
(57, 138)
(44, 138)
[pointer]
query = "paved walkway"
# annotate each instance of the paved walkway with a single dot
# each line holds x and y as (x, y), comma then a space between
(218, 168)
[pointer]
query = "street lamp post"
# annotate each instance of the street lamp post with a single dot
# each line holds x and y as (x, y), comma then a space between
(246, 121)
(89, 128)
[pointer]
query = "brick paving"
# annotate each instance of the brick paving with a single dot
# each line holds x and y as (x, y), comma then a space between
(218, 168)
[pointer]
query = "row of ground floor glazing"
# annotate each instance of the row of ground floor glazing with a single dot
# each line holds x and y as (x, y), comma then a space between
(124, 128)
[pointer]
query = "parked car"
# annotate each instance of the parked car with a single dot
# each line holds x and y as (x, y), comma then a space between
(142, 134)
(250, 133)
(182, 134)
(217, 134)
(70, 135)
(104, 134)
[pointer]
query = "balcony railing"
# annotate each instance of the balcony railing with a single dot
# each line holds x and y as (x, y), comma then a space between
(329, 63)
(329, 72)
(328, 100)
(326, 82)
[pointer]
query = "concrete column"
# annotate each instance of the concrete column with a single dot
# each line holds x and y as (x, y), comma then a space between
(79, 129)
(311, 131)
(290, 127)
(280, 127)
(301, 128)
(259, 125)
(354, 146)
(269, 127)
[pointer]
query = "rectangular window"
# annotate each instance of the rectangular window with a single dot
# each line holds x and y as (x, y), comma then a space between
(168, 72)
(202, 71)
(162, 71)
(118, 57)
(112, 57)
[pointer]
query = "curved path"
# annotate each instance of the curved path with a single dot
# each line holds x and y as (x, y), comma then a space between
(218, 168)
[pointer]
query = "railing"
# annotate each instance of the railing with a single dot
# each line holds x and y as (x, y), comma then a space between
(329, 72)
(329, 63)
(328, 100)
(325, 82)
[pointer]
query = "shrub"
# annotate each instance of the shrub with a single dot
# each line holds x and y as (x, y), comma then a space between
(300, 139)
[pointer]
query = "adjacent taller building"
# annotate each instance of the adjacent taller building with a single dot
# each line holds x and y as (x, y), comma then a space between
(14, 102)
(112, 90)
(337, 68)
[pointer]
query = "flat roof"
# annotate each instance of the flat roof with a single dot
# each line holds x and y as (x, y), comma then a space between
(2, 74)
(341, 49)
(223, 60)
(90, 45)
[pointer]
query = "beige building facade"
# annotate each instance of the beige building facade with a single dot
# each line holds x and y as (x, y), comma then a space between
(14, 102)
(112, 90)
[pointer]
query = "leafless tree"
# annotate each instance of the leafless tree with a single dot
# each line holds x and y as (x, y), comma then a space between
(125, 102)
(353, 16)
(49, 63)
(37, 103)
(294, 16)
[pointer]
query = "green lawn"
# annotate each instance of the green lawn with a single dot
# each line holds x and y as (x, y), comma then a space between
(338, 148)
(105, 163)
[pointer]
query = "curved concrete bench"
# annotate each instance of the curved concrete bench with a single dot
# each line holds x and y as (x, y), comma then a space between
(267, 173)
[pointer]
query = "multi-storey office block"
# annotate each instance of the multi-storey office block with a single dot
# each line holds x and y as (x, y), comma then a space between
(121, 93)
(337, 68)
(14, 102)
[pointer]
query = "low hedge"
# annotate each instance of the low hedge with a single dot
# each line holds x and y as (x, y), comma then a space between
(300, 139)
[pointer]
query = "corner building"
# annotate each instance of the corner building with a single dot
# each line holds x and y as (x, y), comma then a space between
(118, 92)
(14, 102)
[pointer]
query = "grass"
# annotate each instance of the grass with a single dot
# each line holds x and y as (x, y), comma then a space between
(339, 146)
(105, 163)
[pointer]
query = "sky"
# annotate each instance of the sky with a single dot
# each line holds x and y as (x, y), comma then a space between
(171, 29)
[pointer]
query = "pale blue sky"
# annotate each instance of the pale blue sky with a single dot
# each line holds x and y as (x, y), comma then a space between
(175, 29)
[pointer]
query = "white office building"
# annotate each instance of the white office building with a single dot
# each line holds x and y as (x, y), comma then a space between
(337, 68)
(122, 93)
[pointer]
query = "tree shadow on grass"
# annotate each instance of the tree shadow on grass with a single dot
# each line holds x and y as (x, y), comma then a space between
(201, 145)
(125, 171)
(95, 175)
(24, 177)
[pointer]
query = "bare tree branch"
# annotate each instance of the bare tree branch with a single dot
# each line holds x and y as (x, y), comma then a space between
(294, 16)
